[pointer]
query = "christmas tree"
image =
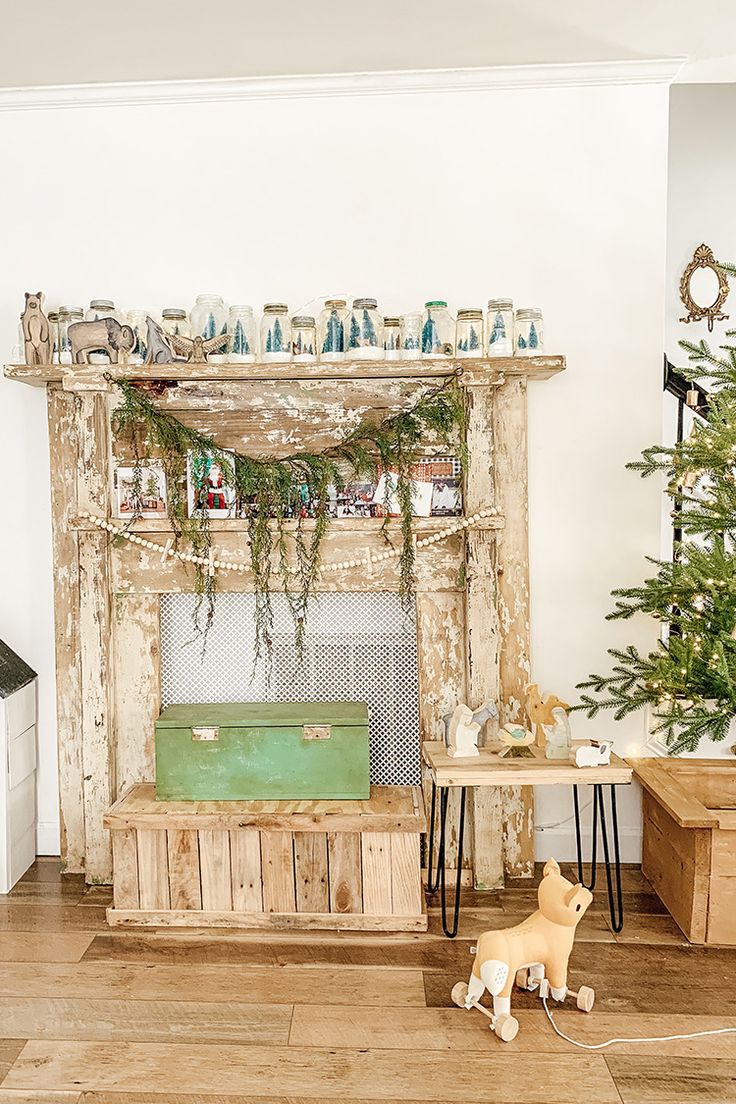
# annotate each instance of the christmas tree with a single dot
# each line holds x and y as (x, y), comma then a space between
(430, 340)
(210, 329)
(278, 337)
(354, 337)
(689, 680)
(334, 341)
(368, 329)
(498, 330)
(269, 344)
(472, 342)
(533, 338)
(241, 345)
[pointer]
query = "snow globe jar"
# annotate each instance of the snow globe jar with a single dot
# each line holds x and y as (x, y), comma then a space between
(174, 321)
(500, 327)
(529, 331)
(102, 308)
(410, 335)
(67, 315)
(241, 335)
(137, 320)
(53, 317)
(391, 338)
(332, 330)
(275, 332)
(437, 329)
(469, 332)
(209, 319)
(303, 338)
(365, 331)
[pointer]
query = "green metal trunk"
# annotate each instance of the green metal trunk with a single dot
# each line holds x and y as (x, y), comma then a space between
(262, 751)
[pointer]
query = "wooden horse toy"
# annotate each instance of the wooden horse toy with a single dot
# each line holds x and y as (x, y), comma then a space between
(535, 954)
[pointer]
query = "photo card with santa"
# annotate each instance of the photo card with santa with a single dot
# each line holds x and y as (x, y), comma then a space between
(207, 486)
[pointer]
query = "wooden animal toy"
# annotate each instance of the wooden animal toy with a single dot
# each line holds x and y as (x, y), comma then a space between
(515, 740)
(102, 335)
(158, 349)
(463, 734)
(534, 954)
(35, 327)
(593, 754)
(487, 712)
(197, 349)
(539, 710)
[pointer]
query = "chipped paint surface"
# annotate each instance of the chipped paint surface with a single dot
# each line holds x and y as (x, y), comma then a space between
(137, 685)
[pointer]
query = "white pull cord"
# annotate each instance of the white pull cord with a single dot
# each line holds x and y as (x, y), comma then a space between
(657, 1039)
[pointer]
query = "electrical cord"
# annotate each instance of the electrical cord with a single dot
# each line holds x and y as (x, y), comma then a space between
(656, 1039)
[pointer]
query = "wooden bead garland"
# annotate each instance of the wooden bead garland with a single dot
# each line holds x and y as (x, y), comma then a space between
(213, 565)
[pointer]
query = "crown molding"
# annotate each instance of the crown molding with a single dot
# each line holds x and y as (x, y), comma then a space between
(400, 82)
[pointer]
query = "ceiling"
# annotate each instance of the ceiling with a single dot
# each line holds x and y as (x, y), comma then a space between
(83, 41)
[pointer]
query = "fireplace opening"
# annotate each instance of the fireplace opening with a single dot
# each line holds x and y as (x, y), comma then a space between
(359, 647)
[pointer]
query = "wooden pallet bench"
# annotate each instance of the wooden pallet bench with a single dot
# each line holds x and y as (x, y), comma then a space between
(268, 864)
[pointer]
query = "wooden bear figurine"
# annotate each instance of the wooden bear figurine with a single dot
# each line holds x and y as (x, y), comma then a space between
(542, 944)
(35, 326)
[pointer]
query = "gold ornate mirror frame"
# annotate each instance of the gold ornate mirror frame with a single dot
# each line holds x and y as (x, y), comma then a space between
(703, 258)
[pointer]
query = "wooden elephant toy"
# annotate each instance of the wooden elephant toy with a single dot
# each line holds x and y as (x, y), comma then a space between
(103, 335)
(534, 954)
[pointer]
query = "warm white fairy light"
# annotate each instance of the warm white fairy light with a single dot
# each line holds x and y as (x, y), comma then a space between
(168, 552)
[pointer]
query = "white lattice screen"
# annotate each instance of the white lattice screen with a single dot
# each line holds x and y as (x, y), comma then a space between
(360, 647)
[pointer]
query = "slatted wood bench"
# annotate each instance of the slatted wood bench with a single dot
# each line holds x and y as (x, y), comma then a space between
(268, 864)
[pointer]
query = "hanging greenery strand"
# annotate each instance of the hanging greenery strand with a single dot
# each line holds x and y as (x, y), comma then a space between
(269, 492)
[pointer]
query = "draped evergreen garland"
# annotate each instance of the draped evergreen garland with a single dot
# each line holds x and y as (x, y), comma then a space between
(270, 493)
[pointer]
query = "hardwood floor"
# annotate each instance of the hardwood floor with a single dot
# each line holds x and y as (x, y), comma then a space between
(100, 1017)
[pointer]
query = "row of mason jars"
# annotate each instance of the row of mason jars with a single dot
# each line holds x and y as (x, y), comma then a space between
(340, 332)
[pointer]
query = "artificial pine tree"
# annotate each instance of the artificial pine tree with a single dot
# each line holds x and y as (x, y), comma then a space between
(354, 337)
(472, 342)
(429, 336)
(369, 330)
(269, 343)
(689, 680)
(278, 337)
(210, 329)
(533, 338)
(498, 330)
(241, 346)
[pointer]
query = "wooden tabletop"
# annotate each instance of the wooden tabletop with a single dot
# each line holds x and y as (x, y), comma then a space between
(487, 769)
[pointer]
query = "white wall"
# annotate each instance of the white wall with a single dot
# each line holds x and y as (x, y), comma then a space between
(554, 196)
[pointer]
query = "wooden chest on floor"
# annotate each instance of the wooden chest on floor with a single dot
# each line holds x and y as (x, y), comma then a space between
(689, 844)
(275, 864)
(253, 751)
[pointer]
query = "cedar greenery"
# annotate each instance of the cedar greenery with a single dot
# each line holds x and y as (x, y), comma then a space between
(269, 492)
(690, 679)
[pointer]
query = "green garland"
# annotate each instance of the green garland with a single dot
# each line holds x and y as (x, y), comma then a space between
(270, 491)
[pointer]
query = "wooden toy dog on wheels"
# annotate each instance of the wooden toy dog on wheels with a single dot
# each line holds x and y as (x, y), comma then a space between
(534, 954)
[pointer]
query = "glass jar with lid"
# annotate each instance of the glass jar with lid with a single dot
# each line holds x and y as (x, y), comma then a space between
(209, 319)
(365, 331)
(102, 308)
(438, 330)
(67, 316)
(53, 317)
(331, 335)
(241, 335)
(303, 338)
(175, 321)
(275, 332)
(392, 338)
(410, 335)
(138, 322)
(500, 327)
(529, 330)
(469, 332)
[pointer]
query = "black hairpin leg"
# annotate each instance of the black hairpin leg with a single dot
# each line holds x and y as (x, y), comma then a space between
(615, 895)
(438, 880)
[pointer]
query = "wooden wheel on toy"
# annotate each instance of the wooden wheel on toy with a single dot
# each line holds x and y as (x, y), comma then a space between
(506, 1027)
(459, 994)
(585, 998)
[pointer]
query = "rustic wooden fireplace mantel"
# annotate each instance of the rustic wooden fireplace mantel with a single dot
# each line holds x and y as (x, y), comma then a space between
(472, 592)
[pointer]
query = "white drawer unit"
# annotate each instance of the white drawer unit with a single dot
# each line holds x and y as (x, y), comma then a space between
(17, 767)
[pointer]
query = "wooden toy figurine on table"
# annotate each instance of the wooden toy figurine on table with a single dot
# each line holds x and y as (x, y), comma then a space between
(534, 953)
(549, 715)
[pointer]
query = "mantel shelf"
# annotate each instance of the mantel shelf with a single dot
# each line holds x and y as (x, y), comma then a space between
(344, 525)
(481, 371)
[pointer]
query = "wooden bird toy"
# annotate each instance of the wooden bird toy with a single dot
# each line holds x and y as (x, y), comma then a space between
(539, 711)
(534, 954)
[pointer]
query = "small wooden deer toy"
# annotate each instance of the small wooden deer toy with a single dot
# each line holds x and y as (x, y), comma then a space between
(534, 953)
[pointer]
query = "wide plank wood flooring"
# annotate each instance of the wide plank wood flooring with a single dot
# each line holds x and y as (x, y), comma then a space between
(160, 1017)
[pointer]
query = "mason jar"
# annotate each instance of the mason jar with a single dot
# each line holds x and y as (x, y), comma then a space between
(53, 317)
(174, 321)
(365, 331)
(67, 315)
(241, 335)
(137, 320)
(332, 321)
(500, 327)
(102, 308)
(209, 319)
(303, 338)
(391, 338)
(529, 330)
(275, 332)
(469, 332)
(438, 330)
(410, 335)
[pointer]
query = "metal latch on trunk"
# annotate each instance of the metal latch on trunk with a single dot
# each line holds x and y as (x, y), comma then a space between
(206, 733)
(317, 732)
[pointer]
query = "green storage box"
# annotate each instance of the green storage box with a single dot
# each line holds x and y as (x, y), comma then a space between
(262, 751)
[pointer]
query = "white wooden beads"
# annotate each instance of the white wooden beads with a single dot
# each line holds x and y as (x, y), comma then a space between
(213, 565)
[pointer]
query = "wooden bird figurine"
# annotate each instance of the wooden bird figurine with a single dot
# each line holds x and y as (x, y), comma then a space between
(196, 348)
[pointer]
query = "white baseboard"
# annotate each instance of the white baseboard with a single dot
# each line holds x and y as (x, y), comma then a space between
(559, 843)
(48, 841)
